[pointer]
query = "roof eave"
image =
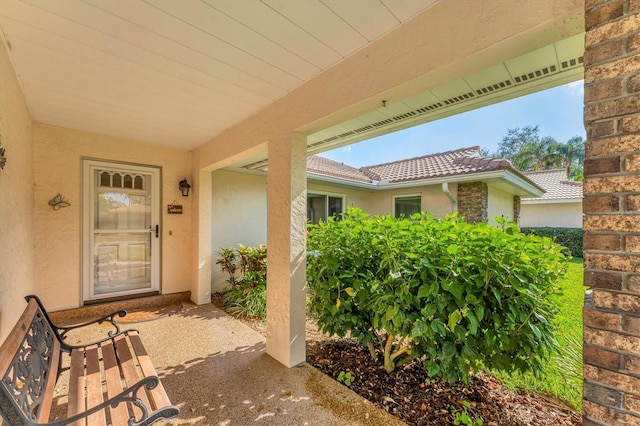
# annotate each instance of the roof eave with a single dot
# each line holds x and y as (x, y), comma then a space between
(551, 200)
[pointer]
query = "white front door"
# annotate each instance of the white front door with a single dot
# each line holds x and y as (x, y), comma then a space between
(121, 227)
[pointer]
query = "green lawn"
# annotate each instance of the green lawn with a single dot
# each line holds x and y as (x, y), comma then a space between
(563, 376)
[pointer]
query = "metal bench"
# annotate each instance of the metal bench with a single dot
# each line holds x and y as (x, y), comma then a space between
(111, 381)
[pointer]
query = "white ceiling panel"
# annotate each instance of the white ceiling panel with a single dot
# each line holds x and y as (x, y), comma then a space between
(566, 49)
(496, 75)
(322, 23)
(179, 72)
(541, 58)
(277, 28)
(369, 17)
(223, 37)
(406, 9)
(421, 100)
(451, 90)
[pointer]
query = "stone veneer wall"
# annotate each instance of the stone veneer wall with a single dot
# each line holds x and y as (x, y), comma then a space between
(473, 201)
(516, 208)
(612, 213)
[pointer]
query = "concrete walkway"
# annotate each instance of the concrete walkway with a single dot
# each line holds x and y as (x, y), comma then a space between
(215, 369)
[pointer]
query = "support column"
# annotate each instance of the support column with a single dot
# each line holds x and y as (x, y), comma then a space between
(286, 249)
(201, 287)
(612, 213)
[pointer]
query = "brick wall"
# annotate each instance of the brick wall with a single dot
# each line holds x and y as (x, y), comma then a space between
(473, 201)
(612, 213)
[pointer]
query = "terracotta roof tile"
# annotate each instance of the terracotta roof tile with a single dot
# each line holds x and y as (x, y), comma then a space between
(327, 167)
(450, 163)
(556, 184)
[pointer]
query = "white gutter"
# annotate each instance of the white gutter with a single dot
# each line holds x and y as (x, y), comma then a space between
(342, 181)
(551, 200)
(447, 192)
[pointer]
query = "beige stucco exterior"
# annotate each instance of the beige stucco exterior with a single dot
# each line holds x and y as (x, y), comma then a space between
(16, 198)
(556, 215)
(500, 203)
(58, 155)
(449, 40)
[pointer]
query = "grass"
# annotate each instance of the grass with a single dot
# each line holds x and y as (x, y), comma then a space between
(563, 376)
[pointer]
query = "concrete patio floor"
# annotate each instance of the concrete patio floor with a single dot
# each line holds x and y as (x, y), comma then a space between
(216, 370)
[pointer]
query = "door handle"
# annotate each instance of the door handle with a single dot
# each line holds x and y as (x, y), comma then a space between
(157, 230)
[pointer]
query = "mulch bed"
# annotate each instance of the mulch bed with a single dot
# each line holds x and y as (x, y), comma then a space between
(411, 395)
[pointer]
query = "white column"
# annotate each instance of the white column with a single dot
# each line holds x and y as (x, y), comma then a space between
(286, 249)
(201, 287)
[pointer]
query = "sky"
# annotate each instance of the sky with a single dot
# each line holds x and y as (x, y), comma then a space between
(557, 112)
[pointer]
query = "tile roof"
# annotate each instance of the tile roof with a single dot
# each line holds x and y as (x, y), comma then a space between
(556, 184)
(451, 163)
(324, 166)
(464, 161)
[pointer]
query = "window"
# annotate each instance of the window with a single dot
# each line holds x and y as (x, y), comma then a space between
(322, 206)
(406, 206)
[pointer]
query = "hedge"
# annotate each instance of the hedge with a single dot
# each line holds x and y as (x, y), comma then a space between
(571, 238)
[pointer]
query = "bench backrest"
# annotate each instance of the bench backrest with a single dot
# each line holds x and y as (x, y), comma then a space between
(29, 364)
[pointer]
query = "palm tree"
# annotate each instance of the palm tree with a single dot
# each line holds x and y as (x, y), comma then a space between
(572, 153)
(537, 155)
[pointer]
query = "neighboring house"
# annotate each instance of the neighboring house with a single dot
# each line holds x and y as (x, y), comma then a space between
(461, 180)
(559, 207)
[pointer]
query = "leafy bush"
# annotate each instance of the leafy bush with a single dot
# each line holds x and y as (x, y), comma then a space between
(571, 238)
(463, 296)
(246, 295)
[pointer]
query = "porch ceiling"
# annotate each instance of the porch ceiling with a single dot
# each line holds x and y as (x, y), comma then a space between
(179, 72)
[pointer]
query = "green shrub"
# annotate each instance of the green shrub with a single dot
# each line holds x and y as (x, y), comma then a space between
(246, 295)
(463, 296)
(571, 238)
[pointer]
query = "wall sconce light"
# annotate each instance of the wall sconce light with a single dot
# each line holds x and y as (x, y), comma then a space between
(3, 159)
(184, 187)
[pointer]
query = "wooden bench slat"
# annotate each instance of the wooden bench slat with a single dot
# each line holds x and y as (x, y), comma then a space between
(158, 395)
(76, 403)
(94, 386)
(120, 414)
(129, 371)
(98, 372)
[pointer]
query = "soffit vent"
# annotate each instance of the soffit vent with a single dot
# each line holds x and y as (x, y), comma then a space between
(571, 63)
(459, 98)
(542, 72)
(493, 87)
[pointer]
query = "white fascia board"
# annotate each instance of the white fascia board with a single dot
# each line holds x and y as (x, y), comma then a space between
(551, 200)
(522, 184)
(341, 181)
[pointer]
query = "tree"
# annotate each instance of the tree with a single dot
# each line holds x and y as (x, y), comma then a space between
(516, 139)
(527, 151)
(572, 154)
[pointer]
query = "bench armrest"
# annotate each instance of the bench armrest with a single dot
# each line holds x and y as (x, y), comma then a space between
(62, 331)
(128, 395)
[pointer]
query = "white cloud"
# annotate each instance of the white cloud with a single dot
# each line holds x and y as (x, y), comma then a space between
(347, 148)
(576, 88)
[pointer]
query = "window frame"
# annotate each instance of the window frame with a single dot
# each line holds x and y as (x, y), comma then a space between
(413, 195)
(327, 195)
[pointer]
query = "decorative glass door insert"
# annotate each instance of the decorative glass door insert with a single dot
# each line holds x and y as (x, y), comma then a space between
(121, 241)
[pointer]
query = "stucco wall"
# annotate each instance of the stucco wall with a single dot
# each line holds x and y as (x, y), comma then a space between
(500, 204)
(239, 215)
(432, 198)
(557, 215)
(16, 198)
(352, 197)
(57, 165)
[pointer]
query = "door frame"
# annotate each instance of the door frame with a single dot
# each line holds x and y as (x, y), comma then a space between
(88, 165)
